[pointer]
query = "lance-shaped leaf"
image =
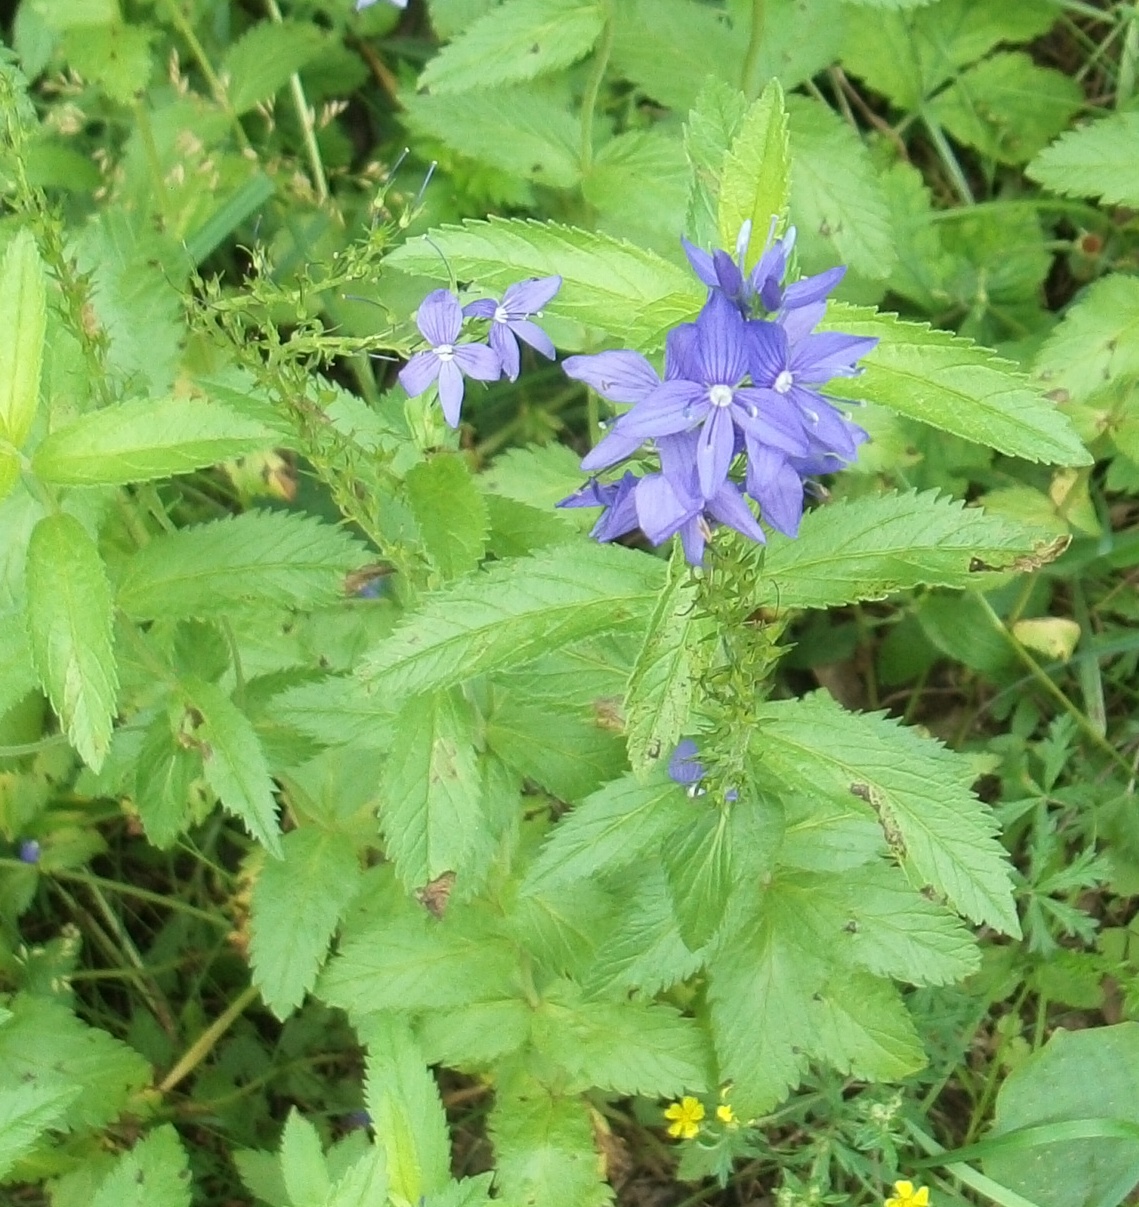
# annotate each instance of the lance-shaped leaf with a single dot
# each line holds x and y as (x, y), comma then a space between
(450, 512)
(304, 1169)
(1098, 160)
(952, 384)
(26, 1112)
(155, 1173)
(860, 1026)
(146, 439)
(756, 173)
(23, 319)
(70, 616)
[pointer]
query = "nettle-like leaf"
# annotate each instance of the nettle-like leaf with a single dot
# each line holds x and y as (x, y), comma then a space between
(303, 1167)
(70, 619)
(26, 1113)
(872, 547)
(23, 316)
(297, 902)
(919, 790)
(258, 65)
(146, 439)
(952, 384)
(513, 614)
(1100, 160)
(473, 1037)
(155, 1173)
(756, 173)
(516, 41)
(708, 133)
(450, 513)
(699, 866)
(282, 559)
(164, 772)
(633, 295)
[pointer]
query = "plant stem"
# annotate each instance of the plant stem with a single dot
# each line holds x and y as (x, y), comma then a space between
(306, 117)
(593, 88)
(945, 151)
(207, 1041)
(1125, 83)
(748, 83)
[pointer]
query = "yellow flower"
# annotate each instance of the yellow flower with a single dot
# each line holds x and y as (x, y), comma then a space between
(684, 1117)
(725, 1114)
(906, 1196)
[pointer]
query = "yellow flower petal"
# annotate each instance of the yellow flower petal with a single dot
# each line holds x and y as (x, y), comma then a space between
(921, 1199)
(725, 1114)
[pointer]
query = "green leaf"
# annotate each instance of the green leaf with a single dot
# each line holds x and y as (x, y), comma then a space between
(26, 1112)
(837, 202)
(512, 614)
(638, 184)
(363, 1184)
(539, 476)
(23, 319)
(543, 1146)
(1007, 107)
(147, 439)
(70, 618)
(9, 470)
(277, 557)
(43, 1046)
(712, 125)
(633, 295)
(450, 512)
(297, 902)
(234, 762)
(698, 862)
(115, 55)
(515, 41)
(450, 17)
(1098, 340)
(516, 529)
(475, 1036)
(155, 1173)
(261, 61)
(952, 384)
(872, 547)
(407, 1114)
(17, 675)
(544, 142)
(431, 812)
(919, 790)
(860, 1026)
(303, 1167)
(1100, 160)
(756, 176)
(610, 830)
(164, 772)
(627, 1047)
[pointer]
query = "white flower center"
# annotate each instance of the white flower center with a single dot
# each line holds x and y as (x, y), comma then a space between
(783, 382)
(501, 314)
(445, 352)
(720, 396)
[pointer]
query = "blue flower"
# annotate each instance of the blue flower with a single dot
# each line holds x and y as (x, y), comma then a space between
(685, 768)
(29, 851)
(510, 320)
(440, 319)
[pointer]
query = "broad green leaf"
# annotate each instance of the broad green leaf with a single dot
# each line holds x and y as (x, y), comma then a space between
(698, 862)
(430, 802)
(297, 902)
(918, 789)
(363, 1184)
(258, 65)
(17, 675)
(638, 184)
(468, 1192)
(626, 1047)
(610, 830)
(475, 1036)
(23, 319)
(1098, 340)
(407, 1114)
(450, 513)
(544, 142)
(633, 295)
(43, 1046)
(515, 41)
(756, 176)
(711, 127)
(9, 470)
(952, 384)
(155, 1173)
(335, 711)
(233, 760)
(450, 17)
(837, 202)
(512, 614)
(70, 617)
(164, 772)
(516, 529)
(659, 694)
(1007, 107)
(872, 547)
(1100, 160)
(116, 56)
(543, 1147)
(303, 1167)
(539, 476)
(26, 1112)
(561, 927)
(798, 40)
(282, 559)
(146, 439)
(860, 1026)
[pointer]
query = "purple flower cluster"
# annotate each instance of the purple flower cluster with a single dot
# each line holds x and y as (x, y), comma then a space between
(743, 378)
(447, 361)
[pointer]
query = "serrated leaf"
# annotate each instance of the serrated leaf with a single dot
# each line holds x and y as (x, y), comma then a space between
(70, 617)
(450, 513)
(518, 40)
(512, 614)
(115, 55)
(155, 1173)
(952, 384)
(836, 202)
(303, 1167)
(477, 1035)
(258, 65)
(919, 790)
(708, 133)
(363, 1184)
(23, 319)
(26, 1112)
(860, 1026)
(276, 557)
(517, 529)
(297, 902)
(632, 294)
(1100, 160)
(233, 761)
(403, 1101)
(638, 184)
(756, 176)
(451, 17)
(147, 439)
(698, 863)
(538, 475)
(872, 547)
(164, 772)
(335, 711)
(17, 675)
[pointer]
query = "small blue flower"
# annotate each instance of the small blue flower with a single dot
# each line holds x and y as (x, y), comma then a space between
(440, 319)
(510, 320)
(29, 851)
(685, 768)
